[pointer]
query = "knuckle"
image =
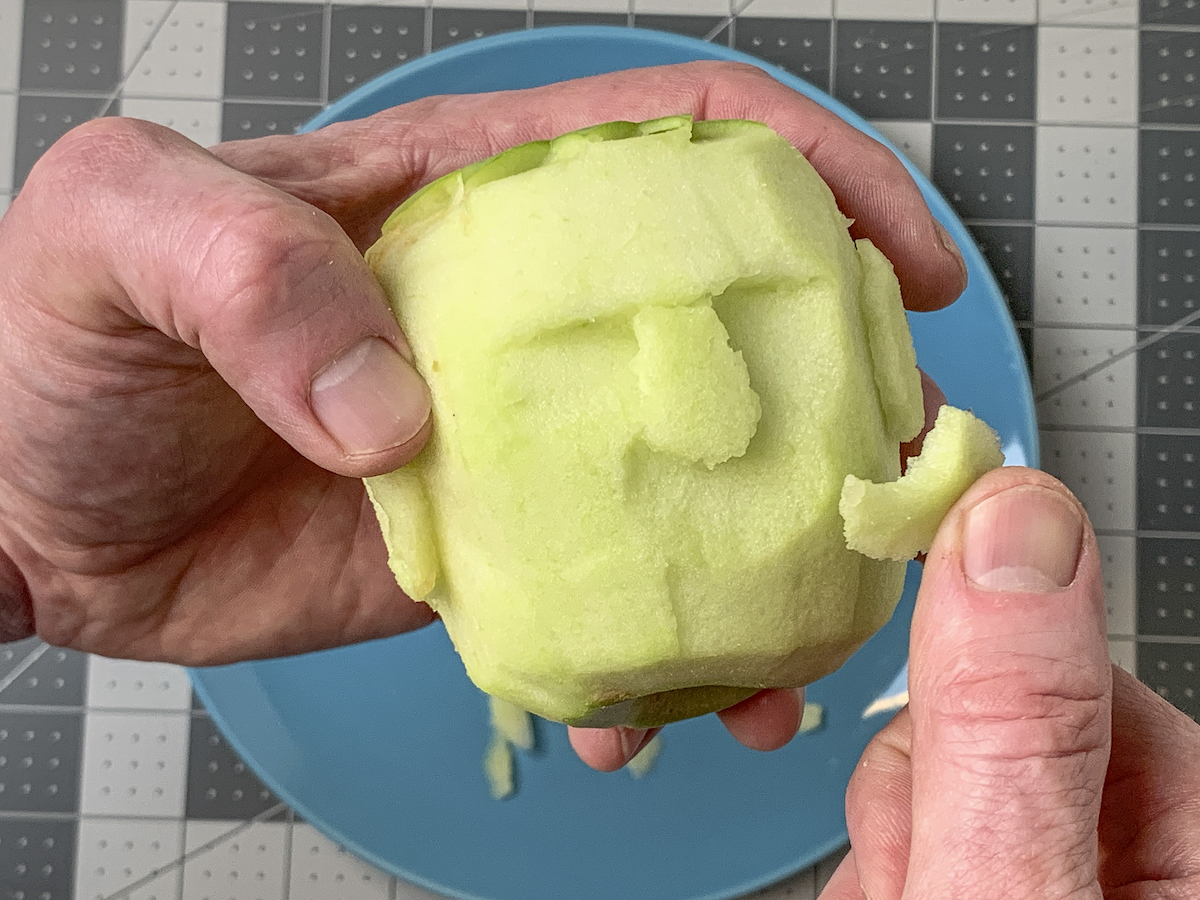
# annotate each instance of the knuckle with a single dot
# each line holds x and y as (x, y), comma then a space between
(257, 256)
(1019, 707)
(883, 777)
(739, 71)
(101, 150)
(736, 88)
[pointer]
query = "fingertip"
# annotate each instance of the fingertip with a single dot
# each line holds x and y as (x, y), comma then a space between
(766, 721)
(1023, 539)
(928, 263)
(844, 884)
(608, 749)
(1017, 530)
(954, 262)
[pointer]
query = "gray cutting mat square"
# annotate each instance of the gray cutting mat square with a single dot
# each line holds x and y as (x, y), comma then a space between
(37, 857)
(366, 41)
(884, 69)
(1065, 132)
(241, 120)
(453, 26)
(56, 678)
(801, 46)
(985, 72)
(72, 45)
(41, 119)
(274, 50)
(39, 760)
(984, 169)
(545, 18)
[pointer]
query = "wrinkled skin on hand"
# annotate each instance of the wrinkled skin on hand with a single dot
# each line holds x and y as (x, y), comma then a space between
(167, 491)
(1026, 767)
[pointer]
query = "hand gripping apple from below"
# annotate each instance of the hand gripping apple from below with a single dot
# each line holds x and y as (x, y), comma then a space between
(656, 358)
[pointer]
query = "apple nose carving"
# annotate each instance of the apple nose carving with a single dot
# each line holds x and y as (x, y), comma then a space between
(695, 399)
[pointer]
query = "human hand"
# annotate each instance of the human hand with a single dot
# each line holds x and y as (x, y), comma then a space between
(1026, 766)
(196, 366)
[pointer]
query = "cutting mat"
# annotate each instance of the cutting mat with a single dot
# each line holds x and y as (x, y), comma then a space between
(1065, 132)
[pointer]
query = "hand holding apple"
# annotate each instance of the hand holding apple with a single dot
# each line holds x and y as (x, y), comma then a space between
(196, 365)
(1025, 766)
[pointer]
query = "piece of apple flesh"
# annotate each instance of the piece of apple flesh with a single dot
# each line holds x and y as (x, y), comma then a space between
(655, 354)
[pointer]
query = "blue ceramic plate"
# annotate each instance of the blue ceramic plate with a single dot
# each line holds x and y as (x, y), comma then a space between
(380, 745)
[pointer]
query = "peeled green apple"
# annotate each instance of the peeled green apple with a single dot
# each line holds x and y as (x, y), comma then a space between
(655, 356)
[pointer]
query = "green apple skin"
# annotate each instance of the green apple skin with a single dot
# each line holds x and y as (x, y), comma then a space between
(655, 354)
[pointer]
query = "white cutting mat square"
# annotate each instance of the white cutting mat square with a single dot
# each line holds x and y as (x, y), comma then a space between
(1088, 12)
(1105, 398)
(913, 139)
(134, 764)
(1123, 653)
(8, 138)
(681, 7)
(1118, 562)
(196, 120)
(174, 49)
(126, 684)
(10, 43)
(1085, 276)
(1088, 75)
(1101, 468)
(113, 854)
(1009, 12)
(1084, 175)
(885, 10)
(321, 869)
(786, 9)
(246, 862)
(581, 6)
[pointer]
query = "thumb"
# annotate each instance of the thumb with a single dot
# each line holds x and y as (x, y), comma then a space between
(1010, 694)
(152, 230)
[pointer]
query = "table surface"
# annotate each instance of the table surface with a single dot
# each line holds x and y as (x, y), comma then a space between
(1065, 132)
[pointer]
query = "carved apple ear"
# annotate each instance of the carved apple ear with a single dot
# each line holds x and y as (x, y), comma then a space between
(898, 519)
(892, 353)
(402, 508)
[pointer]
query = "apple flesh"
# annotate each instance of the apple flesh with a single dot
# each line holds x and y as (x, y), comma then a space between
(655, 354)
(899, 519)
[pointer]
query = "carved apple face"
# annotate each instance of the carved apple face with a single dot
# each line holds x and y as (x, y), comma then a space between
(655, 354)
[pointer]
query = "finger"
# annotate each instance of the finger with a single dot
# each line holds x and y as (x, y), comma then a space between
(608, 749)
(767, 720)
(160, 235)
(1010, 691)
(879, 811)
(358, 171)
(1151, 807)
(878, 799)
(843, 884)
(933, 400)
